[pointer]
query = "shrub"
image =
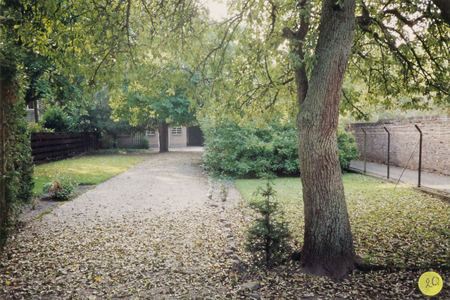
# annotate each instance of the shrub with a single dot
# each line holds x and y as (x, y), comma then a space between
(247, 151)
(145, 143)
(55, 118)
(61, 187)
(268, 238)
(36, 127)
(347, 148)
(106, 141)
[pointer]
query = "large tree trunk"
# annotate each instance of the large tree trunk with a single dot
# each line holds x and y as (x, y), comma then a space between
(163, 137)
(328, 243)
(5, 95)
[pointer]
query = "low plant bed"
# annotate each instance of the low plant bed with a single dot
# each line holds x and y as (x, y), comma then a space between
(45, 202)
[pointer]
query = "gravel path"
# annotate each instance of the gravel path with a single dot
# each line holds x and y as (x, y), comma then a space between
(165, 183)
(156, 231)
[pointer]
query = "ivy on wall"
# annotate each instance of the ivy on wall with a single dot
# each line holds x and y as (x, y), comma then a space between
(16, 184)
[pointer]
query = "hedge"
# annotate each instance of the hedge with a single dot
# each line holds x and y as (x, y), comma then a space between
(247, 151)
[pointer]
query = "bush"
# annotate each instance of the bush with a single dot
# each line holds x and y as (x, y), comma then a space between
(145, 143)
(36, 127)
(55, 118)
(247, 151)
(268, 238)
(106, 141)
(347, 148)
(61, 187)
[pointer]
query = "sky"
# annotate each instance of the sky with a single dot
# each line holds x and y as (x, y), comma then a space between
(217, 10)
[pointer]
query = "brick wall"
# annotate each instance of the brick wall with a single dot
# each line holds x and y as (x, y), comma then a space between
(404, 142)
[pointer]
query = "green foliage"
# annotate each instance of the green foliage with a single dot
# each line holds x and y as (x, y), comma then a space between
(36, 68)
(19, 162)
(106, 141)
(395, 67)
(61, 187)
(247, 151)
(36, 127)
(268, 238)
(95, 115)
(87, 169)
(347, 148)
(55, 118)
(120, 151)
(18, 169)
(135, 104)
(145, 143)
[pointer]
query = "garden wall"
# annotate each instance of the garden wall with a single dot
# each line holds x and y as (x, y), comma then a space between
(404, 142)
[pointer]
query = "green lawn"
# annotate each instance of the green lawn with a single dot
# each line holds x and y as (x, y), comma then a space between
(400, 227)
(85, 170)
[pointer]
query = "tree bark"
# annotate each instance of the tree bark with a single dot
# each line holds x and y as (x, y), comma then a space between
(163, 137)
(328, 243)
(5, 93)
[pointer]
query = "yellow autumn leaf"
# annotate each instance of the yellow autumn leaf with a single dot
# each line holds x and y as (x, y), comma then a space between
(97, 279)
(74, 268)
(8, 282)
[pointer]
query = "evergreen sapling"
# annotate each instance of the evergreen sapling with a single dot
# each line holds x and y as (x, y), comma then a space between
(268, 238)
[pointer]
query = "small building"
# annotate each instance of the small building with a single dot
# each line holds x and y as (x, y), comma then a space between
(178, 137)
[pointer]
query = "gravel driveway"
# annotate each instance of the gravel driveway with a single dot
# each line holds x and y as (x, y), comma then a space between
(165, 183)
(156, 231)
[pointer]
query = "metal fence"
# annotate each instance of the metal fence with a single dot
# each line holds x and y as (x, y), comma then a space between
(414, 153)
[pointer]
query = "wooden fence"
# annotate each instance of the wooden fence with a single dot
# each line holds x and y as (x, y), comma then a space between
(55, 145)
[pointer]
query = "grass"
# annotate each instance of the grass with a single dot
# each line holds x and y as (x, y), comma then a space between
(392, 227)
(84, 170)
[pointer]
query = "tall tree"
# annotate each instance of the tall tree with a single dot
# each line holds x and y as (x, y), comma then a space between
(328, 243)
(135, 104)
(267, 74)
